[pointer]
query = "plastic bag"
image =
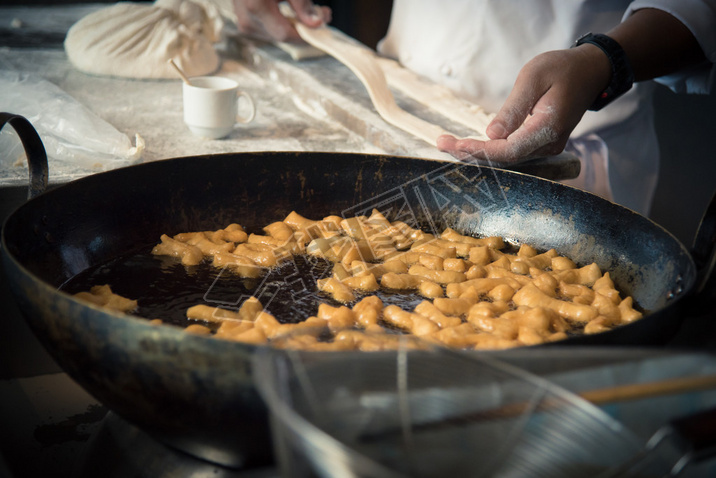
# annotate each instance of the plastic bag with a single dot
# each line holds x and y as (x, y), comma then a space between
(70, 132)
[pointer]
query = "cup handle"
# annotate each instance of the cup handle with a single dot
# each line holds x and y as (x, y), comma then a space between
(248, 98)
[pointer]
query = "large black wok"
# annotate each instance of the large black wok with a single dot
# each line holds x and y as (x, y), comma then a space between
(196, 393)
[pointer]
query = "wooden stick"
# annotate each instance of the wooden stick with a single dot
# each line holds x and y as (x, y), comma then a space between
(638, 391)
(620, 393)
(179, 70)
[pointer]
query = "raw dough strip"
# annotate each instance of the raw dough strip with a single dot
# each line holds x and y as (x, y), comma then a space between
(437, 97)
(362, 62)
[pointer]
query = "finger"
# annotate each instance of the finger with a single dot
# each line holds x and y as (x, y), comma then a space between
(263, 20)
(327, 14)
(534, 135)
(276, 24)
(495, 150)
(308, 13)
(516, 108)
(535, 138)
(446, 143)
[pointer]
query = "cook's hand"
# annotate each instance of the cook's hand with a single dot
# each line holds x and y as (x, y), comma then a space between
(262, 19)
(548, 99)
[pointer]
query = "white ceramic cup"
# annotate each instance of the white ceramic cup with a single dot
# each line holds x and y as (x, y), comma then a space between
(211, 106)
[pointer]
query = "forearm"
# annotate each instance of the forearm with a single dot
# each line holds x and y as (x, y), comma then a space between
(656, 43)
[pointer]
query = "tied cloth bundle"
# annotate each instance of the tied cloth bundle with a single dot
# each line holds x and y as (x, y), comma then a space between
(135, 40)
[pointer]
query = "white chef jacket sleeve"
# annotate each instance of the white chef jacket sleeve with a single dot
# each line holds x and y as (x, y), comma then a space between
(699, 16)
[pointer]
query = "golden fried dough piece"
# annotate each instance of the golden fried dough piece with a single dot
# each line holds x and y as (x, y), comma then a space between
(279, 230)
(531, 296)
(392, 280)
(430, 289)
(337, 289)
(189, 255)
(240, 265)
(494, 242)
(211, 314)
(103, 296)
(431, 311)
(337, 318)
(367, 311)
(411, 322)
(262, 254)
(197, 329)
(437, 276)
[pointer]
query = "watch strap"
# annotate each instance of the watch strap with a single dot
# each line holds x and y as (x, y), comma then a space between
(622, 75)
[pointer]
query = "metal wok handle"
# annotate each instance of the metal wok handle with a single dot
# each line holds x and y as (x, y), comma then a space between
(703, 251)
(34, 149)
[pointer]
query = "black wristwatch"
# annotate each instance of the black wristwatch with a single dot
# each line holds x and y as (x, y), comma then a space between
(622, 74)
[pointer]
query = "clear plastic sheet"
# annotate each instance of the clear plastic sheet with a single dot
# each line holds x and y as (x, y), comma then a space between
(70, 132)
